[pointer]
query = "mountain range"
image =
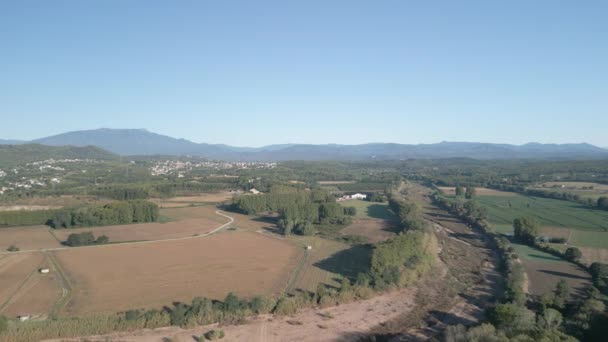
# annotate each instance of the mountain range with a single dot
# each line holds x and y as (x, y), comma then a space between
(143, 142)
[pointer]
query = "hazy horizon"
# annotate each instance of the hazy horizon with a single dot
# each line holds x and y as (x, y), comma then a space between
(306, 143)
(314, 72)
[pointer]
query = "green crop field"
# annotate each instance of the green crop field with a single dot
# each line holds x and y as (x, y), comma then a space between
(527, 253)
(589, 239)
(503, 210)
(366, 209)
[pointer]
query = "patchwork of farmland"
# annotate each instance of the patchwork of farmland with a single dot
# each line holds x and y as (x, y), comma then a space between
(581, 226)
(549, 212)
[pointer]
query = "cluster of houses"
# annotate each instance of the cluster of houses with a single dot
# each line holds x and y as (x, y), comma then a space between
(354, 196)
(167, 167)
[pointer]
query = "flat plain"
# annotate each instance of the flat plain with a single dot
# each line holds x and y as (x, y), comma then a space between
(118, 277)
(32, 237)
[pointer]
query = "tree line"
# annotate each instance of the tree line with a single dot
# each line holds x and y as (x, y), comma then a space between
(119, 212)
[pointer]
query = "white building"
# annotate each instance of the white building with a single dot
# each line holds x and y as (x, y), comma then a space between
(358, 196)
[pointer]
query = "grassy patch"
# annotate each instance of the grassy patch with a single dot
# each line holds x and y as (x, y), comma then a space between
(549, 212)
(366, 209)
(528, 253)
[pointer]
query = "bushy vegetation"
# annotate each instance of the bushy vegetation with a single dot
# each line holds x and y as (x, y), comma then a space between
(525, 229)
(123, 192)
(120, 212)
(400, 260)
(408, 213)
(85, 239)
(25, 217)
(299, 210)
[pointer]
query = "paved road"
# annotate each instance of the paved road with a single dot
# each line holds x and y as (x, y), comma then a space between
(231, 220)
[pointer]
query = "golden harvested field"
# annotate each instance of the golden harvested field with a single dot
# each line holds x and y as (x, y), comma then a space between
(181, 201)
(14, 271)
(451, 191)
(28, 207)
(148, 231)
(118, 277)
(37, 295)
(33, 237)
(193, 212)
(373, 230)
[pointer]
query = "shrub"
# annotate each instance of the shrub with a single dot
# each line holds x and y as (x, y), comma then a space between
(3, 324)
(261, 305)
(13, 248)
(573, 254)
(214, 335)
(286, 306)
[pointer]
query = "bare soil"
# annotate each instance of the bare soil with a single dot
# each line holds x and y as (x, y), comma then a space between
(147, 231)
(373, 230)
(543, 277)
(32, 237)
(37, 295)
(346, 322)
(111, 278)
(15, 269)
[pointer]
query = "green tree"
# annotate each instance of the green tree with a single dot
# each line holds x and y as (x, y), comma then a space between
(525, 229)
(561, 294)
(602, 203)
(573, 254)
(470, 192)
(512, 318)
(459, 191)
(550, 319)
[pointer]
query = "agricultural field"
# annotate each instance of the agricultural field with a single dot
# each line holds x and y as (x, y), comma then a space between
(147, 231)
(23, 290)
(184, 201)
(545, 270)
(373, 222)
(26, 238)
(367, 210)
(583, 227)
(38, 293)
(327, 261)
(118, 277)
(583, 189)
(451, 191)
(549, 212)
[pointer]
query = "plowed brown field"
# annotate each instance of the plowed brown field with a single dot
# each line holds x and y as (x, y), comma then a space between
(34, 237)
(119, 277)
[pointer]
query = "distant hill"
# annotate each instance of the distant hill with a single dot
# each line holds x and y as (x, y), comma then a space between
(25, 153)
(142, 142)
(11, 142)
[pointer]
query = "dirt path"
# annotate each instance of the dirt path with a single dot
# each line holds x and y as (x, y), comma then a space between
(345, 322)
(231, 220)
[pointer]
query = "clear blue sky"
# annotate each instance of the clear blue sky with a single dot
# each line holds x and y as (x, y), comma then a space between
(258, 72)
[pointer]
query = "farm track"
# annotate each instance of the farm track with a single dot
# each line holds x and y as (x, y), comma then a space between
(15, 295)
(231, 220)
(64, 283)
